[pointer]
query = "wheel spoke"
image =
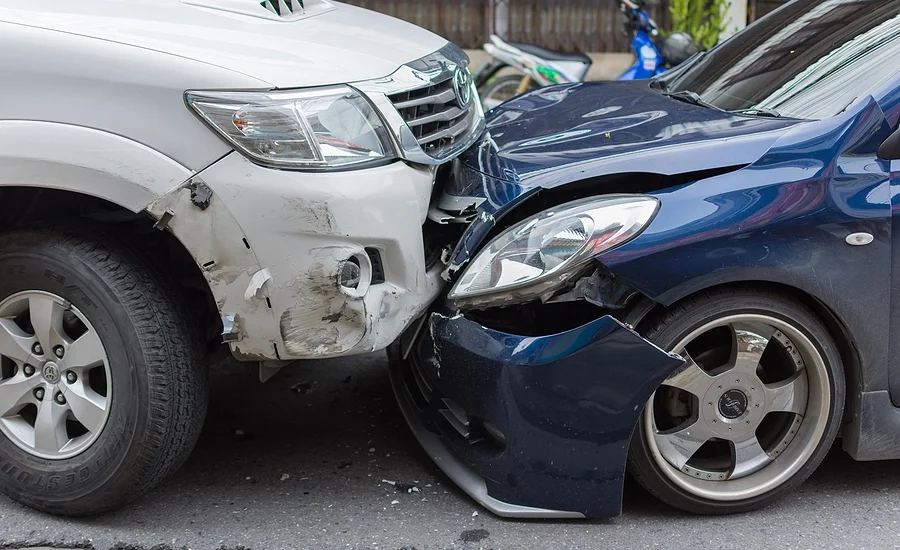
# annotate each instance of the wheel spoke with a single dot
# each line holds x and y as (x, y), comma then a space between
(679, 446)
(50, 426)
(86, 351)
(47, 386)
(789, 395)
(46, 318)
(15, 392)
(14, 342)
(750, 341)
(749, 456)
(88, 407)
(690, 377)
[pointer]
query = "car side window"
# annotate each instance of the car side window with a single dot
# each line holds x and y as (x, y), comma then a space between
(807, 60)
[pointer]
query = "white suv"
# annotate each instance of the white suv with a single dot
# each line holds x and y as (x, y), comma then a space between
(175, 174)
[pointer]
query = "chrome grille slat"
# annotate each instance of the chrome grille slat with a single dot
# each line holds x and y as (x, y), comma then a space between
(451, 132)
(448, 115)
(444, 97)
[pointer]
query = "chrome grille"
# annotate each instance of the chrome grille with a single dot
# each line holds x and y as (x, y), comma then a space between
(419, 103)
(434, 115)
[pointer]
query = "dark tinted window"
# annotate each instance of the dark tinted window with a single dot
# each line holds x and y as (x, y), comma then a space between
(810, 59)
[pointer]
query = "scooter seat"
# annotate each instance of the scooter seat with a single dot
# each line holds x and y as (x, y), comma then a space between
(551, 55)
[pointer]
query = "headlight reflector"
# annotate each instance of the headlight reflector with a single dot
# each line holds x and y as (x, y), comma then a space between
(549, 247)
(321, 128)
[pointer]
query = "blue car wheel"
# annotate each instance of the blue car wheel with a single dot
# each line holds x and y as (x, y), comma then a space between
(751, 414)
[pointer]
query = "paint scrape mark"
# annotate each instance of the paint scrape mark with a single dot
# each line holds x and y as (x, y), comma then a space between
(256, 283)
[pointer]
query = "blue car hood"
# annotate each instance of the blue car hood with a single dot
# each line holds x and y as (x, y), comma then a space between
(557, 135)
(584, 132)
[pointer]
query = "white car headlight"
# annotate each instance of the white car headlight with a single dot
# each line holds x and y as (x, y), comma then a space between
(551, 246)
(320, 128)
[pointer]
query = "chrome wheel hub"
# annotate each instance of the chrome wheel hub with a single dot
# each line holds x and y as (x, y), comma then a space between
(50, 372)
(55, 384)
(731, 423)
(733, 404)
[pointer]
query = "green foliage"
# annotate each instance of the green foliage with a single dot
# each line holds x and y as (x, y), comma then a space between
(702, 19)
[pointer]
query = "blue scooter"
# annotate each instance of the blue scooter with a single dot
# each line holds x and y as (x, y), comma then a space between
(542, 67)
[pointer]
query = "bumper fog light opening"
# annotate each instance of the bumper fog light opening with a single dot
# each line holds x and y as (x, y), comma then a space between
(355, 275)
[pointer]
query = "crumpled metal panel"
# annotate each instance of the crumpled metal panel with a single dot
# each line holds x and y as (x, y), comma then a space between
(566, 403)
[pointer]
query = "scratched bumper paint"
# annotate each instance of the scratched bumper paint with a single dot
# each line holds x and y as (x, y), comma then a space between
(272, 244)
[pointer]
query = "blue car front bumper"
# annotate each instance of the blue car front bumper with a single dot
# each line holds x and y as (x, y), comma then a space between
(529, 426)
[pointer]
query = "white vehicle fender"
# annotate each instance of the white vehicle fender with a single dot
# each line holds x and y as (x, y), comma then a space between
(87, 161)
(139, 178)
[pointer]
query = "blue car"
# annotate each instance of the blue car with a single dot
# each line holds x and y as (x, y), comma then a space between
(694, 279)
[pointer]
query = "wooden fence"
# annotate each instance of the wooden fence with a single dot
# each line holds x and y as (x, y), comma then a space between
(573, 25)
(568, 25)
(465, 22)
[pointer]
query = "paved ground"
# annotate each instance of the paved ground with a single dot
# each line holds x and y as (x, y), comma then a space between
(281, 469)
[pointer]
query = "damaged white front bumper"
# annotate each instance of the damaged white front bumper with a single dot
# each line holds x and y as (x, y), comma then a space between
(272, 245)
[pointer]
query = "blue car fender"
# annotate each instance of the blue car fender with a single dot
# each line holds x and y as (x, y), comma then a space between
(784, 220)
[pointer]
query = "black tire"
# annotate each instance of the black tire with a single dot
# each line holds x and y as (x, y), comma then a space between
(159, 396)
(501, 85)
(677, 323)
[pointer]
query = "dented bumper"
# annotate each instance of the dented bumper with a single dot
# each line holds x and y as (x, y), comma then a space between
(529, 426)
(272, 245)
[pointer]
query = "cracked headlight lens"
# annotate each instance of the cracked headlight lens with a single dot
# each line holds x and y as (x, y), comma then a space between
(554, 244)
(318, 128)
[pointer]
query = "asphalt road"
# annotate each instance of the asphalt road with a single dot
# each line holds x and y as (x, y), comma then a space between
(278, 468)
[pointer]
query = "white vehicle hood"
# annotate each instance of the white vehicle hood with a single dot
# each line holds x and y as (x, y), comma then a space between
(326, 43)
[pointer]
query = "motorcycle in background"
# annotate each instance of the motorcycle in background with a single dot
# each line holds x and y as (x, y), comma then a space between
(542, 67)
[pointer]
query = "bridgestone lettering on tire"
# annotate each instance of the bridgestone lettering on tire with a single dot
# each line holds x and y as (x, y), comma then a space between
(753, 411)
(117, 390)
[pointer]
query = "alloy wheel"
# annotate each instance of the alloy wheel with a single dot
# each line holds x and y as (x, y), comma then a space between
(55, 383)
(744, 413)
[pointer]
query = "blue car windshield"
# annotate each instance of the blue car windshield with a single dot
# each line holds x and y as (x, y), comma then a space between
(810, 59)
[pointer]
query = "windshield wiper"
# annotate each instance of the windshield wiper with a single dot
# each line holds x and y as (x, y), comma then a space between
(693, 98)
(759, 111)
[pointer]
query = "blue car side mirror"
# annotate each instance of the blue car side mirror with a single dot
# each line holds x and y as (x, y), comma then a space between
(890, 149)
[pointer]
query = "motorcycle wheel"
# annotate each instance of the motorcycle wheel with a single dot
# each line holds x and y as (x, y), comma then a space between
(501, 89)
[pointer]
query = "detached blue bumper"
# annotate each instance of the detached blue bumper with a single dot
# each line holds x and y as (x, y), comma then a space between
(529, 426)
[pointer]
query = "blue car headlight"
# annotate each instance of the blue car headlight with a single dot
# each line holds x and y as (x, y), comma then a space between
(544, 251)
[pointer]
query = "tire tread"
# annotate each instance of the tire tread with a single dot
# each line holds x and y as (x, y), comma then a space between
(172, 352)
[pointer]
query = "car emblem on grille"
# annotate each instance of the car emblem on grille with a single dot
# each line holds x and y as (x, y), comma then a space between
(462, 85)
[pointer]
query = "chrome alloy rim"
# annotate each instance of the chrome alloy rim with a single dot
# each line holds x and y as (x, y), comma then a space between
(744, 413)
(55, 383)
